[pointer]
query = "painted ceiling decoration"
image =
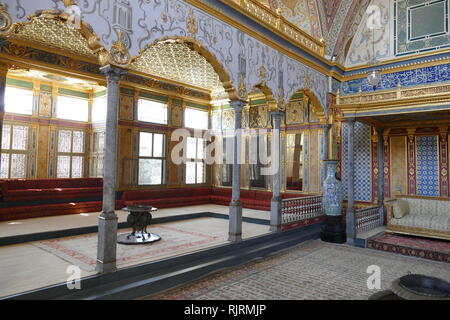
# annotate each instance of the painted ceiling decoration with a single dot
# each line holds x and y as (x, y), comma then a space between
(178, 62)
(235, 55)
(55, 34)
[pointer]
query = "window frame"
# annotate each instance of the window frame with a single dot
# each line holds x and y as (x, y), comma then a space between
(97, 155)
(165, 104)
(200, 110)
(71, 154)
(12, 151)
(196, 160)
(163, 158)
(31, 90)
(89, 111)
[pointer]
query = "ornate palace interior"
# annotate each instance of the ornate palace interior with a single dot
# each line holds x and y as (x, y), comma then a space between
(224, 116)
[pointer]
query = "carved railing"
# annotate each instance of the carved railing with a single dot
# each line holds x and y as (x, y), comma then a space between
(368, 218)
(428, 93)
(276, 22)
(299, 209)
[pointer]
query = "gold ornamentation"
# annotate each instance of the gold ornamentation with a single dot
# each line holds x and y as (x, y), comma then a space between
(242, 87)
(192, 23)
(119, 54)
(5, 21)
(126, 107)
(68, 3)
(17, 50)
(49, 29)
(308, 80)
(262, 75)
(295, 112)
(45, 104)
(179, 62)
(70, 63)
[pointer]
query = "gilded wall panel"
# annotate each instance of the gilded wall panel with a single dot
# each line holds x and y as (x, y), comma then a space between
(314, 162)
(126, 107)
(295, 112)
(45, 104)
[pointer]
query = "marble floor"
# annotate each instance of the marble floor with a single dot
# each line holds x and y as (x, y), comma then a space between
(39, 264)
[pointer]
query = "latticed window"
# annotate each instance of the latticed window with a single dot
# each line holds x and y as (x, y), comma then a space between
(195, 164)
(70, 158)
(98, 145)
(151, 158)
(152, 111)
(18, 100)
(71, 108)
(14, 155)
(196, 119)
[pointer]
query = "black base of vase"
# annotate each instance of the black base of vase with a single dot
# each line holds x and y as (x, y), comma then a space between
(333, 231)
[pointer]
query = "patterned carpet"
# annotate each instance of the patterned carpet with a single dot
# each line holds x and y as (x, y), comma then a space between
(438, 250)
(313, 270)
(82, 250)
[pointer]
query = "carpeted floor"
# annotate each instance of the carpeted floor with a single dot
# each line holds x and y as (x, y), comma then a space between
(313, 270)
(82, 250)
(432, 249)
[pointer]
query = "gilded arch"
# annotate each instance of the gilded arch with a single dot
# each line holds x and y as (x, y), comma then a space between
(196, 46)
(316, 106)
(11, 30)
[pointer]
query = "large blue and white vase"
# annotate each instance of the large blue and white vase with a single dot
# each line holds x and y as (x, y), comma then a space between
(332, 190)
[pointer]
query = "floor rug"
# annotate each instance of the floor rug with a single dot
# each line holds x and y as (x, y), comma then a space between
(82, 250)
(438, 250)
(313, 270)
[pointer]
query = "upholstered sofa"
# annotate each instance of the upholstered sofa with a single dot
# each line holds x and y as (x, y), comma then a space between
(420, 216)
(17, 190)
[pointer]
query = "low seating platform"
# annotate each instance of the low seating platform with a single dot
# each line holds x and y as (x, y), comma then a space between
(28, 198)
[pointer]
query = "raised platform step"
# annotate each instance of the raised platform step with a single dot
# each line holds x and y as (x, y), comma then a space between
(151, 278)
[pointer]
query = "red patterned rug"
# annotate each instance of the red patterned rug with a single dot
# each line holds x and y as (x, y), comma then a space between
(433, 249)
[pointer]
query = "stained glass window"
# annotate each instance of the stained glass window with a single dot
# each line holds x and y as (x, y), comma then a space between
(195, 165)
(151, 158)
(196, 119)
(70, 154)
(152, 111)
(72, 108)
(14, 151)
(18, 100)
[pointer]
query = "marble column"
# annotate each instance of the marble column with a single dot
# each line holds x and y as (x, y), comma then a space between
(235, 222)
(380, 152)
(275, 206)
(107, 227)
(324, 153)
(3, 72)
(350, 215)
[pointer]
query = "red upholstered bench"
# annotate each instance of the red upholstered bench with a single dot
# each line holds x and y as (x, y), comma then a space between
(16, 190)
(36, 211)
(167, 198)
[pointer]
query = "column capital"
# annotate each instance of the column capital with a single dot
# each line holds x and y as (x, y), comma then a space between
(112, 72)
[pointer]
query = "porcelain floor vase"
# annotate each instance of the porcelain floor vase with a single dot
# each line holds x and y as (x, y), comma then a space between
(334, 230)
